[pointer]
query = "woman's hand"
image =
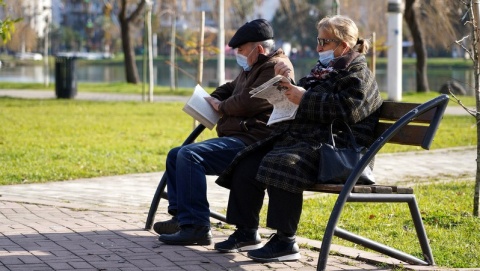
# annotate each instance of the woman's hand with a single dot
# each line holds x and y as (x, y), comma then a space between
(294, 93)
(282, 69)
(214, 102)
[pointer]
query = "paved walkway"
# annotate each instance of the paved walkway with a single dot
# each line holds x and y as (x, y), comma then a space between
(97, 223)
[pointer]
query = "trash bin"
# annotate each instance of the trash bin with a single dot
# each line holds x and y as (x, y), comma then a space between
(65, 79)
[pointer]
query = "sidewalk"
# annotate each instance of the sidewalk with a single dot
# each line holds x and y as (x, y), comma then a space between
(92, 96)
(89, 96)
(97, 223)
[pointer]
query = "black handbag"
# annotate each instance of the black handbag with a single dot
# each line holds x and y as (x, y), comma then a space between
(336, 163)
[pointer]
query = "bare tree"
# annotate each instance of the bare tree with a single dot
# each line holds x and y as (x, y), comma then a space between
(473, 22)
(301, 17)
(411, 15)
(126, 19)
(474, 10)
(430, 24)
(437, 18)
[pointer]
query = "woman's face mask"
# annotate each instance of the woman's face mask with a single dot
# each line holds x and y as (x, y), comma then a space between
(325, 57)
(242, 61)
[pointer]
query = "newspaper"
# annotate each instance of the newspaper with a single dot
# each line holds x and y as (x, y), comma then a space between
(283, 109)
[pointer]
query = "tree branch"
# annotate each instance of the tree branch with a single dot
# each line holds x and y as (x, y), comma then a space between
(458, 42)
(458, 101)
(137, 11)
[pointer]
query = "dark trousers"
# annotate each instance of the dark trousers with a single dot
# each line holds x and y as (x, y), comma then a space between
(247, 194)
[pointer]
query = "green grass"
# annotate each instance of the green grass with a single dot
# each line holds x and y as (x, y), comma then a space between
(446, 208)
(413, 97)
(53, 140)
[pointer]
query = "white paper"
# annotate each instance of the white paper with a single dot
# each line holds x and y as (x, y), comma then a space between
(283, 109)
(200, 109)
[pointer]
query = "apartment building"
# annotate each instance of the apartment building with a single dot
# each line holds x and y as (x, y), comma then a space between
(38, 14)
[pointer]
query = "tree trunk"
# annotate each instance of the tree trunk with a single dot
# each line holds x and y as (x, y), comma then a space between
(131, 71)
(476, 50)
(418, 43)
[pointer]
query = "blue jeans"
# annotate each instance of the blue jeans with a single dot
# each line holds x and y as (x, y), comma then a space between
(186, 168)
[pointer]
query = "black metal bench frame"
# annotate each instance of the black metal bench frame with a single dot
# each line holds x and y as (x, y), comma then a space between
(400, 123)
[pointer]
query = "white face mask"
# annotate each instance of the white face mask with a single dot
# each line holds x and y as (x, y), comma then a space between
(325, 57)
(242, 61)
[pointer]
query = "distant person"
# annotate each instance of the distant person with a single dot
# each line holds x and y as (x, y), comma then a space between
(340, 86)
(243, 122)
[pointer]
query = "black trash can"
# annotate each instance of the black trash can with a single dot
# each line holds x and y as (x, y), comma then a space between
(65, 79)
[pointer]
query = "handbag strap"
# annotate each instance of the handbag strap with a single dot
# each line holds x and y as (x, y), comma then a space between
(347, 129)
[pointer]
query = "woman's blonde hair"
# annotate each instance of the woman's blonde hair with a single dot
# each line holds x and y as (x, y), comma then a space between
(344, 29)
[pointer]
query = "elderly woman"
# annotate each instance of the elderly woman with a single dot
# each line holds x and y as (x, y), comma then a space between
(340, 86)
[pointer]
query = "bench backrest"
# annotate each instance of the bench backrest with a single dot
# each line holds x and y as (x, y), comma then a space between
(412, 134)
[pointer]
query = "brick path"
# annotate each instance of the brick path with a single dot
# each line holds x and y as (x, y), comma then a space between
(44, 237)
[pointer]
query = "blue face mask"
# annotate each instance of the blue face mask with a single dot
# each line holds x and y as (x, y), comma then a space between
(325, 57)
(242, 61)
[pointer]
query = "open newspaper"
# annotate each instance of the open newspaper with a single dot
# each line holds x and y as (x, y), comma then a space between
(200, 109)
(283, 109)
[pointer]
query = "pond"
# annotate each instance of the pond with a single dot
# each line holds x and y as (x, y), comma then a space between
(185, 77)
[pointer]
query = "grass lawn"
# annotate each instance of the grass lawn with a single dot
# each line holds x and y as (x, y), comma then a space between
(53, 140)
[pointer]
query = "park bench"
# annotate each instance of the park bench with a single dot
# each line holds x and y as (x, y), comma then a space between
(400, 123)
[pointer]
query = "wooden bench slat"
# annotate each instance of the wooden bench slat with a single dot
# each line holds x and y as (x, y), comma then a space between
(408, 135)
(382, 189)
(404, 190)
(395, 110)
(378, 189)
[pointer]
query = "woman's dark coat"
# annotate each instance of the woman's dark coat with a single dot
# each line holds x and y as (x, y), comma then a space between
(349, 92)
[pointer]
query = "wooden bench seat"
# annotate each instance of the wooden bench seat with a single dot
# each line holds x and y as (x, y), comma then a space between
(400, 123)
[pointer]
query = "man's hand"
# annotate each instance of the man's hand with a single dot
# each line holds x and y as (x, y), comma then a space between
(214, 102)
(283, 69)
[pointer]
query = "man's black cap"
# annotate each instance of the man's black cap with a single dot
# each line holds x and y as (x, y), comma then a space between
(256, 30)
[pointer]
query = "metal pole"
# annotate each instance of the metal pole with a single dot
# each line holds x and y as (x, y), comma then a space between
(394, 65)
(200, 47)
(144, 59)
(221, 43)
(45, 54)
(172, 51)
(336, 7)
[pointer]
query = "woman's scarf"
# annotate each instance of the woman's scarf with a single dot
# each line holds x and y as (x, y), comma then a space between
(320, 72)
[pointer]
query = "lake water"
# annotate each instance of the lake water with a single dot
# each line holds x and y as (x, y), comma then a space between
(186, 76)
